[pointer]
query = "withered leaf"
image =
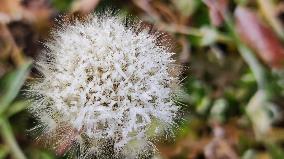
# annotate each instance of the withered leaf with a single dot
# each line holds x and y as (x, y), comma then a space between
(217, 9)
(259, 37)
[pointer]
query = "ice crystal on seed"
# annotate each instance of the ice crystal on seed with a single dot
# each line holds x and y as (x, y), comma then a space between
(104, 82)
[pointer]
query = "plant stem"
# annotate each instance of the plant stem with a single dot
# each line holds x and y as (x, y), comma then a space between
(9, 139)
(255, 66)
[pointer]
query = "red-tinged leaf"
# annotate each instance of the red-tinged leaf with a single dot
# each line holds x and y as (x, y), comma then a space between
(62, 139)
(259, 37)
(217, 9)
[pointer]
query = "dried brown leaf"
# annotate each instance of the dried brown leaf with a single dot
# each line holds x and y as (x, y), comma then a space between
(165, 12)
(185, 52)
(84, 6)
(38, 12)
(280, 12)
(268, 9)
(221, 146)
(10, 10)
(146, 7)
(217, 9)
(8, 46)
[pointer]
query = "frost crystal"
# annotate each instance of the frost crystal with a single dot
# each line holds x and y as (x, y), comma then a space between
(104, 82)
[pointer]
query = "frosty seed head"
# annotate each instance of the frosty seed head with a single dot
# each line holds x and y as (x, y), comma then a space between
(103, 81)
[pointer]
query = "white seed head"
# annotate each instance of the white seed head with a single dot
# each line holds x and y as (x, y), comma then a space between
(106, 82)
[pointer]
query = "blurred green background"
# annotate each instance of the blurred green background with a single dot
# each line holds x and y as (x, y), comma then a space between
(232, 58)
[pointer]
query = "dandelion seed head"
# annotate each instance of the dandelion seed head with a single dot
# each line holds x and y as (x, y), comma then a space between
(105, 81)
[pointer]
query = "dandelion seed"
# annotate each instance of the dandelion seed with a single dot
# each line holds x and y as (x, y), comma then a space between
(104, 83)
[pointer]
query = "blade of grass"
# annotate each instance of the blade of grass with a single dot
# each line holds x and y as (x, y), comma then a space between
(275, 151)
(16, 107)
(12, 83)
(254, 65)
(4, 150)
(247, 54)
(9, 139)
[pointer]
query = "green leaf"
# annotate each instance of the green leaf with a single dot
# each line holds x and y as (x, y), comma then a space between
(218, 110)
(11, 84)
(275, 151)
(62, 5)
(4, 150)
(249, 154)
(9, 138)
(16, 107)
(41, 154)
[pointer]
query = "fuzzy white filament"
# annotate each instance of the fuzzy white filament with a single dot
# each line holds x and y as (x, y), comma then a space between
(105, 81)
